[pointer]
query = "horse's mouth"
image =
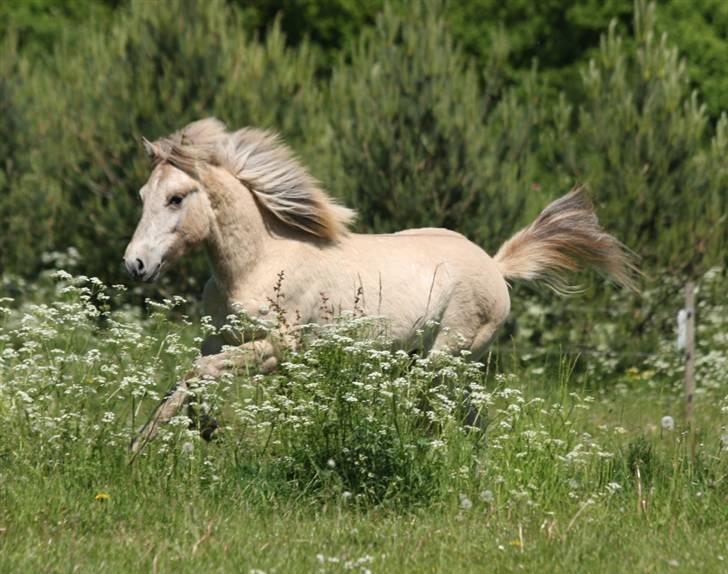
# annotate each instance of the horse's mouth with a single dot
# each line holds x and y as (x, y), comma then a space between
(154, 275)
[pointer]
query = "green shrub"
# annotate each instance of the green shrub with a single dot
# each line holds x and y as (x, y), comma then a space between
(11, 132)
(640, 144)
(406, 130)
(413, 141)
(153, 71)
(352, 415)
(416, 140)
(406, 142)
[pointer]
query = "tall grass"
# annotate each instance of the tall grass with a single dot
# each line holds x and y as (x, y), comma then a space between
(349, 432)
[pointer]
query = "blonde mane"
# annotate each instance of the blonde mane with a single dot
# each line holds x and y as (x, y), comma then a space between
(263, 164)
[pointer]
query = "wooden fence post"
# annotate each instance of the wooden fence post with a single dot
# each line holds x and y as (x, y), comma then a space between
(689, 352)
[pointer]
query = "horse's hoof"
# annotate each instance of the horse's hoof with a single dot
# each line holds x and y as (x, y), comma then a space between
(207, 427)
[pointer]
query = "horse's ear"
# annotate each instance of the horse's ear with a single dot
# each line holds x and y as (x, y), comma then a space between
(150, 149)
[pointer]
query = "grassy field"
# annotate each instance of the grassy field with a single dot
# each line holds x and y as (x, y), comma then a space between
(352, 457)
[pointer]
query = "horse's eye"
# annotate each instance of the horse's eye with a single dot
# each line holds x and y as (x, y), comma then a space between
(175, 199)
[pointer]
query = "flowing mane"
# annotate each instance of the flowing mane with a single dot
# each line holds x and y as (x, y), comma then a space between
(265, 165)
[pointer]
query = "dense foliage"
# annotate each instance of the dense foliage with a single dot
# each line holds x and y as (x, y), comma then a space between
(82, 166)
(418, 122)
(559, 34)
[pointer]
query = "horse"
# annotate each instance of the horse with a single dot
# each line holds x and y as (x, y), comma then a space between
(261, 217)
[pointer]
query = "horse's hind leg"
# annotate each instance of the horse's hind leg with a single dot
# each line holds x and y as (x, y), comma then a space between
(483, 339)
(478, 348)
(473, 338)
(477, 344)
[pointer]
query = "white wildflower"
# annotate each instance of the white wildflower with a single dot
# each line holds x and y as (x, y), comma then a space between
(613, 487)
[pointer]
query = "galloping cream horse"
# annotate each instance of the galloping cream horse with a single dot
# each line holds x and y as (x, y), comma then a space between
(259, 213)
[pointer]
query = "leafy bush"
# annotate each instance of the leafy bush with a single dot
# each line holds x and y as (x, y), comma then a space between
(413, 140)
(11, 132)
(152, 72)
(406, 130)
(350, 414)
(640, 145)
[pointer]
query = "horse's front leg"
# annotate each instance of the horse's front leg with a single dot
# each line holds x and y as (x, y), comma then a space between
(258, 355)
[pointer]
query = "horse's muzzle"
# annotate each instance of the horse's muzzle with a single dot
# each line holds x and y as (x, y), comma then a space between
(137, 268)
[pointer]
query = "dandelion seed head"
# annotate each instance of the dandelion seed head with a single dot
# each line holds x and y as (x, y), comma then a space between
(465, 502)
(487, 496)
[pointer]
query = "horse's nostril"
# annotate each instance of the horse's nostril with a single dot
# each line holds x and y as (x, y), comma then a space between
(140, 265)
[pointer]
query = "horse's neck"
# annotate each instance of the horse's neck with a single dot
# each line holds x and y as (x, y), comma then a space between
(237, 238)
(242, 232)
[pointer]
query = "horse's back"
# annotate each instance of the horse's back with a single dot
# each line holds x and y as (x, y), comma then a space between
(441, 259)
(430, 232)
(444, 246)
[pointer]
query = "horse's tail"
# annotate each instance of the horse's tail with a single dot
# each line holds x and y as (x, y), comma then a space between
(565, 237)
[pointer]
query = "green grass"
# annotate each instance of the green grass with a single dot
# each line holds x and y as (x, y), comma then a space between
(350, 458)
(54, 524)
(140, 528)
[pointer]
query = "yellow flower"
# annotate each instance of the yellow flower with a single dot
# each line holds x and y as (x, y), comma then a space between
(102, 496)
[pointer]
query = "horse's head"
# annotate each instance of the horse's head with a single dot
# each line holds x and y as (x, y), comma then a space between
(195, 170)
(176, 215)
